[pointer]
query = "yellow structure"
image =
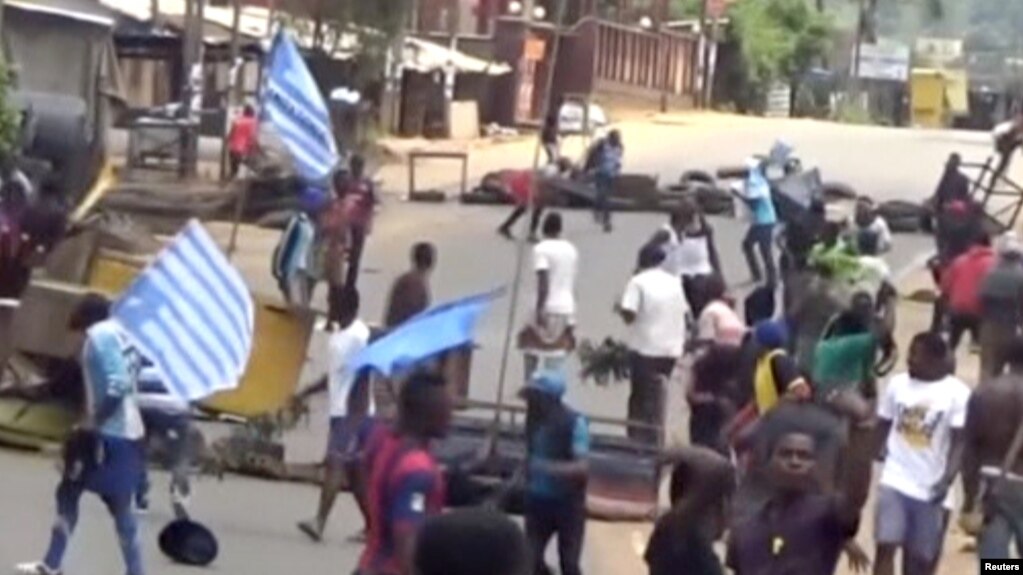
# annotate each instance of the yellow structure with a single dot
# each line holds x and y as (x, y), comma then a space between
(929, 103)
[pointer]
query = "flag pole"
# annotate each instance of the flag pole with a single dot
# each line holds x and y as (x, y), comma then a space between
(522, 243)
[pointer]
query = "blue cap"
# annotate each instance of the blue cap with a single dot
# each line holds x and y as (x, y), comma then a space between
(548, 381)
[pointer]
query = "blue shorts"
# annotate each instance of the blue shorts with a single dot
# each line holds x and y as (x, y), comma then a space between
(119, 471)
(348, 434)
(916, 526)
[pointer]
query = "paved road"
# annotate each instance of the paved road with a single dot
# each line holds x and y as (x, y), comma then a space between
(255, 519)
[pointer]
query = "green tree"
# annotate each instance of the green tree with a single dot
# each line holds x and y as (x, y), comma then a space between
(779, 40)
(10, 119)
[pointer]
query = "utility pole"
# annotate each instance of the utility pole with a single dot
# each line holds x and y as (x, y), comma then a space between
(454, 17)
(230, 97)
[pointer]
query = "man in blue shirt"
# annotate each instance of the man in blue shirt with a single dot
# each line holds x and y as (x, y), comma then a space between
(104, 455)
(757, 196)
(606, 171)
(558, 442)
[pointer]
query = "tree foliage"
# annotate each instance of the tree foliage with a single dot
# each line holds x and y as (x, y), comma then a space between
(10, 119)
(370, 27)
(779, 40)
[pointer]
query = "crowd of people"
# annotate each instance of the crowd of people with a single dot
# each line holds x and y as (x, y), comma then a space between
(786, 412)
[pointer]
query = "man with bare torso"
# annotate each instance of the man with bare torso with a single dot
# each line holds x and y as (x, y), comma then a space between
(994, 434)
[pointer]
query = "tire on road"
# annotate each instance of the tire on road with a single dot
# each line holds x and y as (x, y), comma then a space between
(903, 216)
(713, 200)
(837, 191)
(690, 177)
(733, 173)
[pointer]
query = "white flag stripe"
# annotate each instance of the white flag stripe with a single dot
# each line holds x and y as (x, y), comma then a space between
(207, 301)
(192, 316)
(236, 290)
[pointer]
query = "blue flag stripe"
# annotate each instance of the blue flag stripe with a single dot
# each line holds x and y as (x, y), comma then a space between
(186, 308)
(217, 264)
(212, 283)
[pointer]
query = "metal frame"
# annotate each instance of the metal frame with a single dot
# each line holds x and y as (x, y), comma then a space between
(421, 155)
(1004, 187)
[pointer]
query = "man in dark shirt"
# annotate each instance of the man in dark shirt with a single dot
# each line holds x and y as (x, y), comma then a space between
(410, 293)
(799, 529)
(702, 483)
(1001, 307)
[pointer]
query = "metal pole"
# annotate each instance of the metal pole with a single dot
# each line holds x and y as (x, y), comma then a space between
(229, 98)
(523, 244)
(454, 16)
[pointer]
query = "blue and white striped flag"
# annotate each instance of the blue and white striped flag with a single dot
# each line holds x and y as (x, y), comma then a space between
(191, 314)
(292, 103)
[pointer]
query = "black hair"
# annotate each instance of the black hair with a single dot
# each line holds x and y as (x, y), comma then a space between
(92, 309)
(798, 419)
(471, 542)
(346, 303)
(650, 256)
(715, 287)
(248, 110)
(419, 393)
(552, 225)
(424, 254)
(932, 344)
(356, 161)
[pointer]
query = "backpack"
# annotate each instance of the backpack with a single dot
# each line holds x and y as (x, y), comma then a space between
(595, 155)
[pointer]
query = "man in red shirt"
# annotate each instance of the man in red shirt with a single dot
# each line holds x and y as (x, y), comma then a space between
(242, 139)
(960, 287)
(359, 195)
(406, 485)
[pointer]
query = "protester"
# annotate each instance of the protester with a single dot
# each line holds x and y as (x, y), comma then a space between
(105, 455)
(406, 485)
(953, 186)
(360, 201)
(552, 330)
(351, 402)
(557, 445)
(960, 288)
(471, 542)
(1001, 306)
(799, 527)
(701, 485)
(333, 239)
(15, 271)
(922, 414)
(168, 421)
(292, 260)
(868, 223)
(836, 255)
(410, 292)
(776, 376)
(549, 138)
(654, 308)
(607, 168)
(756, 194)
(992, 468)
(713, 395)
(823, 298)
(718, 322)
(241, 141)
(690, 252)
(1008, 137)
(527, 190)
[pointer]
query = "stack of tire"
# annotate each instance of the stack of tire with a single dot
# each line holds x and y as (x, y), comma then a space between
(705, 190)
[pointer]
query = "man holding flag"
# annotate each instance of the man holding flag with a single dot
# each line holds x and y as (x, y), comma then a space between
(104, 454)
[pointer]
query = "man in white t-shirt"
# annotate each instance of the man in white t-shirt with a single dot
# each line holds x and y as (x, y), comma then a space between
(654, 307)
(556, 262)
(350, 405)
(922, 414)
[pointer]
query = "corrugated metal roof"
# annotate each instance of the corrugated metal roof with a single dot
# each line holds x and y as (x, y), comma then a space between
(82, 10)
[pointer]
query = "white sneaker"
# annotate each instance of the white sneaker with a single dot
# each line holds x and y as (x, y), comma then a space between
(37, 568)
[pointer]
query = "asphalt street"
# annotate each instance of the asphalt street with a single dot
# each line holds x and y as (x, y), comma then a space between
(255, 519)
